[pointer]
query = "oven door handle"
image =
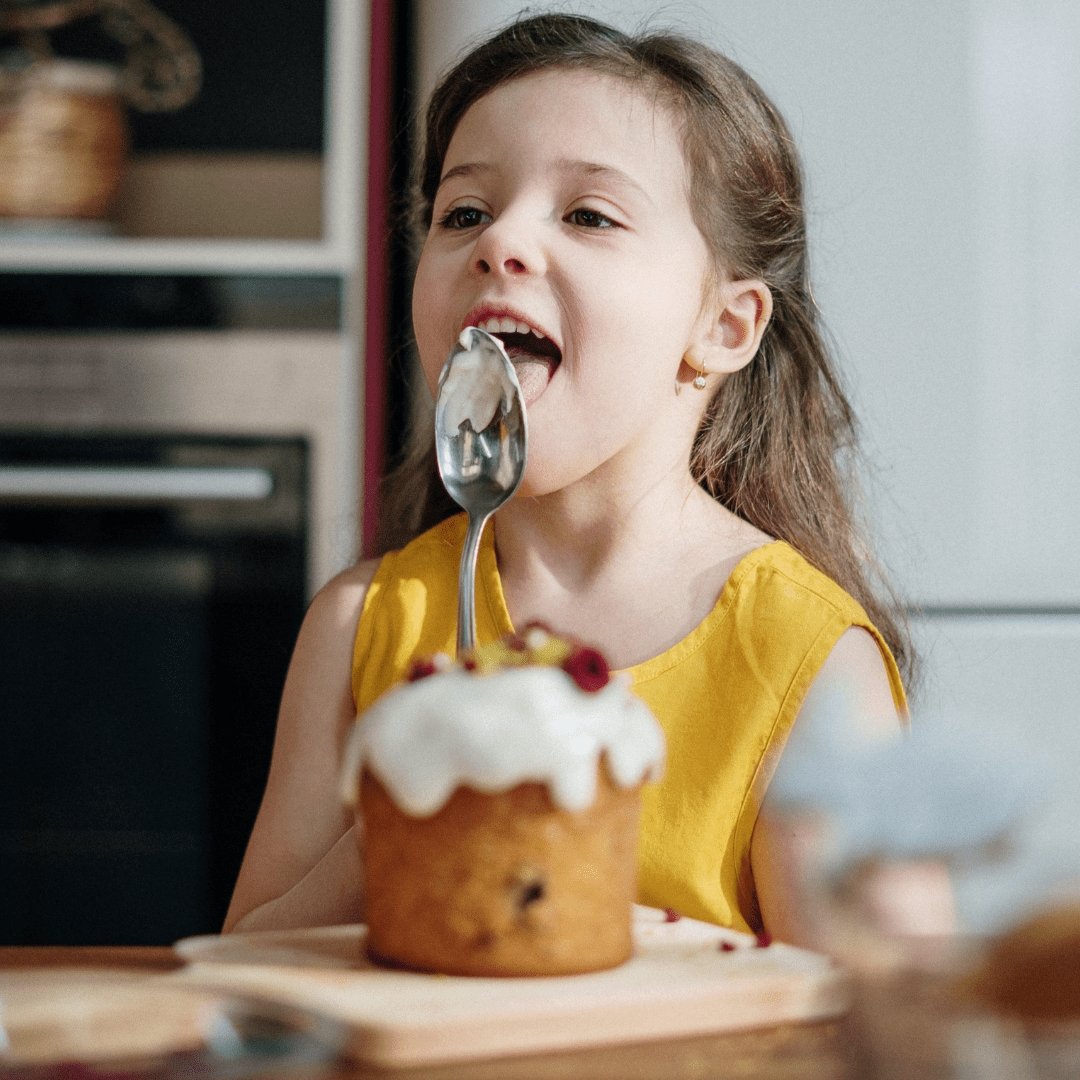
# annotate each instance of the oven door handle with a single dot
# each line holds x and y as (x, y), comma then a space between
(132, 484)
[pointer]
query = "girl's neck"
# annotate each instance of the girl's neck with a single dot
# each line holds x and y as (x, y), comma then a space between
(591, 529)
(632, 576)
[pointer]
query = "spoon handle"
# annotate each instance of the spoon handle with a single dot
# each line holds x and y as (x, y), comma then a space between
(466, 619)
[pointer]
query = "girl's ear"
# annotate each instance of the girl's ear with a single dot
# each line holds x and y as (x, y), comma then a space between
(729, 339)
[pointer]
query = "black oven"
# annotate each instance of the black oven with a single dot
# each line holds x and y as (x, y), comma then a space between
(151, 588)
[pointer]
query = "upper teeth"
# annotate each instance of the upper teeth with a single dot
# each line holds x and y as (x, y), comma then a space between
(505, 325)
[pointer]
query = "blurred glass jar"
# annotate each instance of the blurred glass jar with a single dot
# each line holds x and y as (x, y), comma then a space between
(63, 140)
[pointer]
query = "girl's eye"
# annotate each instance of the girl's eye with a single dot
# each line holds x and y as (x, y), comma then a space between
(590, 219)
(462, 217)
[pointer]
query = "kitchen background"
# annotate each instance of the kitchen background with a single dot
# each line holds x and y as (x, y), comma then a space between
(198, 391)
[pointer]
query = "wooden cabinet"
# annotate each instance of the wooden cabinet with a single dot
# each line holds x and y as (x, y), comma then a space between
(238, 212)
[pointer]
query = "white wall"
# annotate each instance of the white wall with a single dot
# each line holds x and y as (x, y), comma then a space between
(942, 149)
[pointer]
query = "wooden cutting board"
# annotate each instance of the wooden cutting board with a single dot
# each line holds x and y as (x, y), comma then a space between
(68, 1014)
(679, 983)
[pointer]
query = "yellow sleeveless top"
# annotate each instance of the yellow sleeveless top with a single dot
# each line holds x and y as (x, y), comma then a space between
(726, 697)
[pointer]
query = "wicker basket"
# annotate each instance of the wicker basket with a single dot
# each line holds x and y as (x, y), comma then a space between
(63, 140)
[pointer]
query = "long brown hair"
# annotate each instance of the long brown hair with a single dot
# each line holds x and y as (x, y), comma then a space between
(778, 442)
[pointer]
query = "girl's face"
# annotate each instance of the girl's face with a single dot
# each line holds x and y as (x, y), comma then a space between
(562, 221)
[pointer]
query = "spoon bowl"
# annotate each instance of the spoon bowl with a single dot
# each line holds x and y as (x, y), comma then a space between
(481, 444)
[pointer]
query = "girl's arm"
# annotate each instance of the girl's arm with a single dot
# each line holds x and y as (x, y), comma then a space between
(302, 866)
(786, 849)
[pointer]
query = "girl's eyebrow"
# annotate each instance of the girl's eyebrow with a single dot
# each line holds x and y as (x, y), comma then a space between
(603, 172)
(565, 165)
(468, 168)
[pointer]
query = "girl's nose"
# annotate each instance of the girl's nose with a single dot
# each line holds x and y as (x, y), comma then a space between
(511, 265)
(501, 249)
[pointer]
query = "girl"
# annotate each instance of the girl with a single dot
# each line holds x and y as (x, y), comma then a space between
(626, 212)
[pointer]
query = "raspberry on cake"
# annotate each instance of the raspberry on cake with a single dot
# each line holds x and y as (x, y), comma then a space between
(499, 802)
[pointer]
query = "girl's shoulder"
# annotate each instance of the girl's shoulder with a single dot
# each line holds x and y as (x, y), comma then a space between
(779, 568)
(342, 597)
(337, 605)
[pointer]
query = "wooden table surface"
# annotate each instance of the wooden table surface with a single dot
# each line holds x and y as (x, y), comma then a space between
(822, 1051)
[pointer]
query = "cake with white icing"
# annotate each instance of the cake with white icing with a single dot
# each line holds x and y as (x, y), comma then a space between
(499, 804)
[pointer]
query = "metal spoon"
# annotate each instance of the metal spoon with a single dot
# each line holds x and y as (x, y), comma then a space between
(481, 440)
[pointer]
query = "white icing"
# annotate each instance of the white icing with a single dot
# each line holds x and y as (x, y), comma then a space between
(473, 388)
(492, 732)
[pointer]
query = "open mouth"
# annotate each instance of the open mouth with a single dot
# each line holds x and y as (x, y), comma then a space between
(534, 355)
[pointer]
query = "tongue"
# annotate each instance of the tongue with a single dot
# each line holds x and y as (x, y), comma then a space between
(534, 372)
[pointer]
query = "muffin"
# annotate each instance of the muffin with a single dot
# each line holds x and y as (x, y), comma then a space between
(499, 803)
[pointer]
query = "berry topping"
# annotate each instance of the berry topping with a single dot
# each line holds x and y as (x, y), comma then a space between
(728, 946)
(421, 669)
(587, 668)
(764, 939)
(671, 915)
(535, 646)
